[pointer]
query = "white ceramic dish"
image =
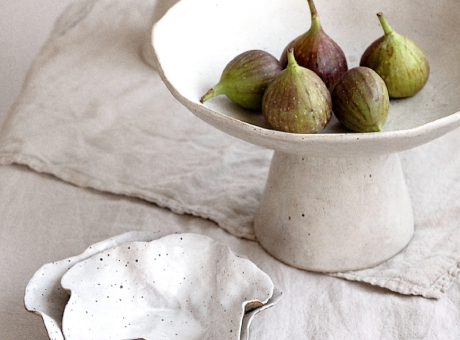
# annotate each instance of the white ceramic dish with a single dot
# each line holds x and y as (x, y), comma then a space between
(191, 61)
(189, 308)
(334, 201)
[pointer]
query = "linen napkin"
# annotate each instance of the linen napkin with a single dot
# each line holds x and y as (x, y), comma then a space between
(95, 113)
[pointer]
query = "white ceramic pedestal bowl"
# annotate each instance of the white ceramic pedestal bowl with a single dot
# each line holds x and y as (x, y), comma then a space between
(336, 200)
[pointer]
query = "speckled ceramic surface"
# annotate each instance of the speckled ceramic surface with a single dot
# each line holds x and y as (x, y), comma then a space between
(335, 200)
(201, 289)
(44, 295)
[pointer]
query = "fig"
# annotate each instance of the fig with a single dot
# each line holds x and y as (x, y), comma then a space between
(360, 100)
(398, 60)
(245, 79)
(316, 51)
(297, 100)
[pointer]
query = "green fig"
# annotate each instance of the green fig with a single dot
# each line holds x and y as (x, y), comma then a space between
(297, 100)
(316, 51)
(360, 100)
(398, 60)
(245, 79)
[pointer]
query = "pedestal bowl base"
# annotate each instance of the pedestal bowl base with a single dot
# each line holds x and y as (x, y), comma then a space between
(334, 214)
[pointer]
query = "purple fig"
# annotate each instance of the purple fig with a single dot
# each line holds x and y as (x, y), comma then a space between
(360, 100)
(398, 60)
(297, 100)
(245, 79)
(316, 51)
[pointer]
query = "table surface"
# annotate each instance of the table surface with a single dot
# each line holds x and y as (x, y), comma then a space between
(24, 27)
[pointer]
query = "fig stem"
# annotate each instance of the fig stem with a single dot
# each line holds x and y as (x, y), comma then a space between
(313, 10)
(217, 90)
(315, 23)
(385, 25)
(291, 58)
(211, 93)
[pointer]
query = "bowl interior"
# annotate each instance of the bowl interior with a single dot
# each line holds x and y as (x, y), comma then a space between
(196, 39)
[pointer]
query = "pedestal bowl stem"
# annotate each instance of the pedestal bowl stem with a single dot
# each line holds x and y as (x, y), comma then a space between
(334, 214)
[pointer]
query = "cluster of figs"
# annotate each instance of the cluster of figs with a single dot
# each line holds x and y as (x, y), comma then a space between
(311, 81)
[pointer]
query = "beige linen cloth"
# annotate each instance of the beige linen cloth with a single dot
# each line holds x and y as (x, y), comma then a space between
(94, 113)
